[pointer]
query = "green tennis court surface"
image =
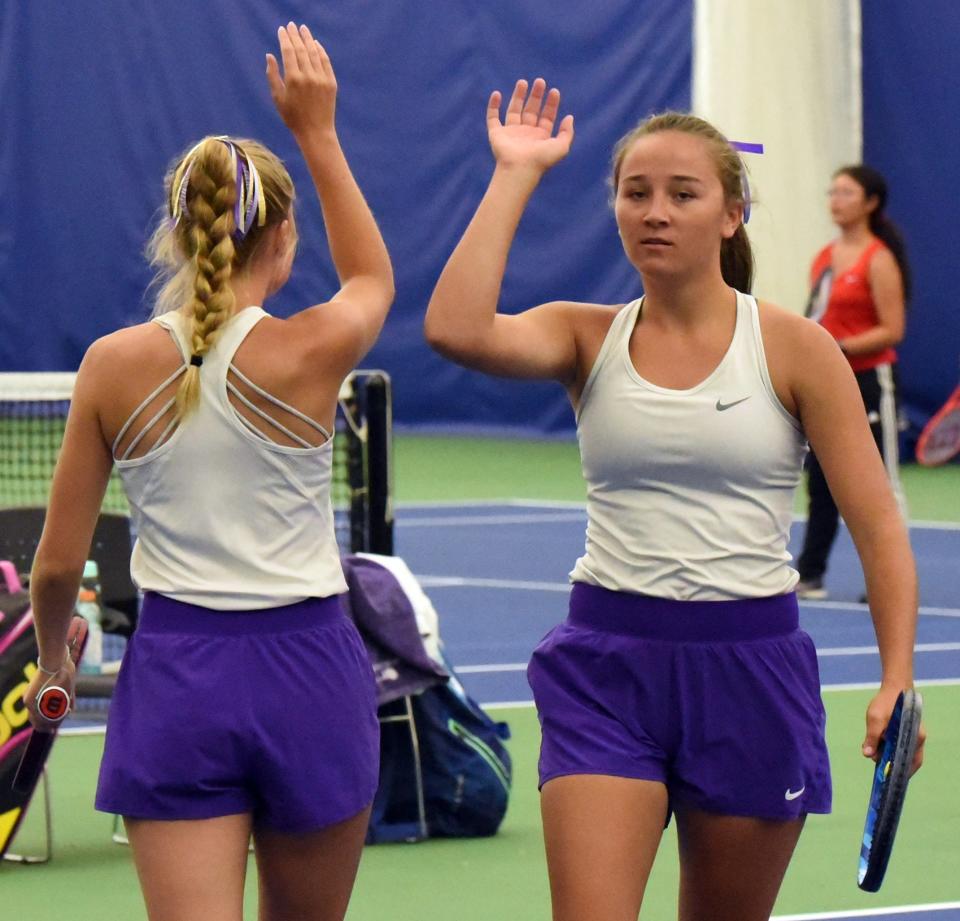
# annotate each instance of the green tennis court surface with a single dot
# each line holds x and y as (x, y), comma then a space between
(505, 877)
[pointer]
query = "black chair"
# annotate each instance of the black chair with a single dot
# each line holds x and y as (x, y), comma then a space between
(20, 530)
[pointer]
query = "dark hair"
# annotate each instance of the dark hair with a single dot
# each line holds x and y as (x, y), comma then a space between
(736, 254)
(875, 186)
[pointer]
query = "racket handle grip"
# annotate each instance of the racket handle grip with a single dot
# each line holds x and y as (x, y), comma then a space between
(53, 702)
(32, 761)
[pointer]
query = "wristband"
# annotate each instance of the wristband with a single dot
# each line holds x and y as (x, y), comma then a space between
(46, 671)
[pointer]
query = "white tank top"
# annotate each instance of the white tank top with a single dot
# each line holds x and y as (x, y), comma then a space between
(689, 492)
(224, 517)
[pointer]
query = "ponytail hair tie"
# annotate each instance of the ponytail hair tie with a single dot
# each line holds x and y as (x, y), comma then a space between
(196, 360)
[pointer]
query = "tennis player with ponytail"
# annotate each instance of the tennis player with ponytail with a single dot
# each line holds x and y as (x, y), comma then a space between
(860, 286)
(680, 680)
(245, 703)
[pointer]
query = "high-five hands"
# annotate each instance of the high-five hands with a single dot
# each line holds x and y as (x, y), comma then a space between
(306, 94)
(525, 137)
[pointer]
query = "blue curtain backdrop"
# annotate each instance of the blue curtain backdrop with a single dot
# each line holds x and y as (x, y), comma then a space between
(911, 133)
(99, 96)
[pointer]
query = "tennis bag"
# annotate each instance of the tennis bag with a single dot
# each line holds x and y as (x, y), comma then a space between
(437, 746)
(18, 653)
(465, 770)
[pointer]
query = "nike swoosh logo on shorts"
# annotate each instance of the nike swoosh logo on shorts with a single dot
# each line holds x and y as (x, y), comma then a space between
(723, 406)
(790, 794)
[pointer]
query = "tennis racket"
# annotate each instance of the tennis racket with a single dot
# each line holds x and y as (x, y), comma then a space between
(54, 703)
(889, 788)
(940, 438)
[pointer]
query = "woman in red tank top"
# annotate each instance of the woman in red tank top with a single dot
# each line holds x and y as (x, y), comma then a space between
(859, 286)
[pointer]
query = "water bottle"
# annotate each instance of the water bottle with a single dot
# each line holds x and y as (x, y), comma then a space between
(88, 607)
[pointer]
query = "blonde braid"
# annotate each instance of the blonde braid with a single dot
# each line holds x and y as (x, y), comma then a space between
(211, 195)
(195, 247)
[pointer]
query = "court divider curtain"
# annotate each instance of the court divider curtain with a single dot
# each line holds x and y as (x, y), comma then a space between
(785, 74)
(911, 74)
(97, 98)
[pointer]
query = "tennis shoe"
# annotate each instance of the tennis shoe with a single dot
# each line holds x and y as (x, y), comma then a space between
(811, 590)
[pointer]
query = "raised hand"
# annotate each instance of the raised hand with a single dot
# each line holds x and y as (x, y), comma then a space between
(306, 94)
(525, 137)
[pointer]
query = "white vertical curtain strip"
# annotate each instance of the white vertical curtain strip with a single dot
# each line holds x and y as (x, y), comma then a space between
(785, 73)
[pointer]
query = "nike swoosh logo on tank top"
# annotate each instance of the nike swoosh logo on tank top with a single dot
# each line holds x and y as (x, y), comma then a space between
(721, 407)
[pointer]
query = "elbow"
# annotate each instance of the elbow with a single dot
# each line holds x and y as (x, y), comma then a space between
(389, 286)
(433, 332)
(386, 290)
(444, 339)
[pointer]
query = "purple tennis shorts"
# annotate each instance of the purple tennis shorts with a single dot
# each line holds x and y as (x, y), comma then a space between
(270, 712)
(718, 700)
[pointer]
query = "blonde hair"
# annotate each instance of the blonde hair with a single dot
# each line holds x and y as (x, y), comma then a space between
(736, 254)
(197, 247)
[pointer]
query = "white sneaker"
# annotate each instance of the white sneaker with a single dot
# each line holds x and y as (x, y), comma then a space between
(811, 590)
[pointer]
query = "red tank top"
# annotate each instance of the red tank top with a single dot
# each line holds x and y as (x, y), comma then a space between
(850, 309)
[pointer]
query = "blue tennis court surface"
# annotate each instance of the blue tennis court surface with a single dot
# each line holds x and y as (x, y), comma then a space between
(497, 575)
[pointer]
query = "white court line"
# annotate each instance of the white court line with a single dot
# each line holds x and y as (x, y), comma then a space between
(870, 650)
(520, 584)
(98, 729)
(870, 686)
(431, 581)
(873, 685)
(919, 524)
(854, 607)
(458, 521)
(493, 668)
(508, 705)
(494, 503)
(869, 912)
(867, 686)
(490, 669)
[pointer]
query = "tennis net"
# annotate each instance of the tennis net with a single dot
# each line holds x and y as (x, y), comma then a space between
(33, 413)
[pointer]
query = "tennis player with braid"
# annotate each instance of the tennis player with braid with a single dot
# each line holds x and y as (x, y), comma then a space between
(245, 703)
(680, 680)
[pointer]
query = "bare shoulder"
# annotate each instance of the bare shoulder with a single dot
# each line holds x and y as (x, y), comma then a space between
(134, 350)
(594, 314)
(589, 323)
(882, 258)
(789, 338)
(121, 369)
(797, 350)
(311, 336)
(580, 314)
(883, 266)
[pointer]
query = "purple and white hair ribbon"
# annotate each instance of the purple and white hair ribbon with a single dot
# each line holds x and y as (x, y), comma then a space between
(249, 202)
(746, 147)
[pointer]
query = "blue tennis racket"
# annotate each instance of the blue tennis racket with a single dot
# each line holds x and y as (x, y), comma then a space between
(890, 778)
